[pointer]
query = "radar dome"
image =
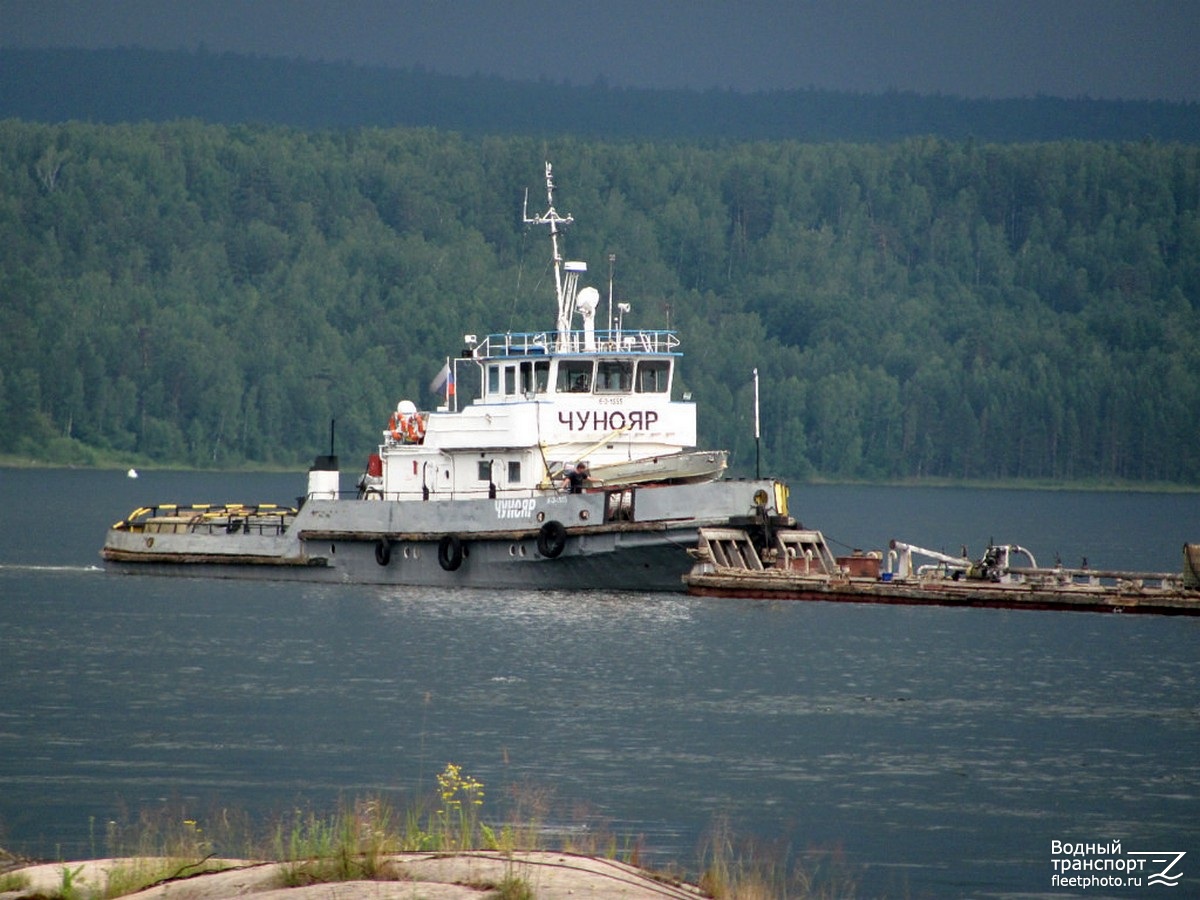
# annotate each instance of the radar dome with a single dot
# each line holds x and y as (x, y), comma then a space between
(588, 300)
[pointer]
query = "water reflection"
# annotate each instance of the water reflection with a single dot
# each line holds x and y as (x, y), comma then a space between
(941, 749)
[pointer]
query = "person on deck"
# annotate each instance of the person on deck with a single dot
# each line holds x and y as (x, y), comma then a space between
(575, 480)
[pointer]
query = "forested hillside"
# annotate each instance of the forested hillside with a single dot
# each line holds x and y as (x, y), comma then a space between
(135, 85)
(214, 295)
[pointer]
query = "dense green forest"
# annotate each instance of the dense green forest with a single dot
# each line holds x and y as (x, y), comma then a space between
(215, 295)
(134, 85)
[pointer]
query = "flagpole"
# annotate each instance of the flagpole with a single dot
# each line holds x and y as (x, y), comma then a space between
(757, 443)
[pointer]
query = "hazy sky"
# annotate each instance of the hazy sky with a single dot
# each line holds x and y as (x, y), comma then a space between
(1132, 49)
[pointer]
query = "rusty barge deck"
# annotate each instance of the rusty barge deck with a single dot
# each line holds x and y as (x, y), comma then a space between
(797, 565)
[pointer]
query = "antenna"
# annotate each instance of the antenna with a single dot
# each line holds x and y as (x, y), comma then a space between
(555, 221)
(612, 261)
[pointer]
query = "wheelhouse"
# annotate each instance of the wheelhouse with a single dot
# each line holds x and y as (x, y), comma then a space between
(638, 363)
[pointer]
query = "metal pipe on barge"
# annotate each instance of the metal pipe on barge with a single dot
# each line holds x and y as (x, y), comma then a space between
(729, 563)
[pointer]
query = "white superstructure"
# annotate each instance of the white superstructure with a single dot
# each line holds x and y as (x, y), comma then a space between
(546, 400)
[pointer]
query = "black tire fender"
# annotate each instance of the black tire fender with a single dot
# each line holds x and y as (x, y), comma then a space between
(552, 539)
(383, 552)
(450, 552)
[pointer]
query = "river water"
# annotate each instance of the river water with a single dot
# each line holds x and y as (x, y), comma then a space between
(932, 752)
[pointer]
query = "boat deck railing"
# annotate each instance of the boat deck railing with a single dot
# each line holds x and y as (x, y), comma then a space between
(619, 500)
(1060, 576)
(541, 343)
(209, 518)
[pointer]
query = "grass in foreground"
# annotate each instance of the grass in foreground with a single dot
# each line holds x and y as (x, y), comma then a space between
(738, 869)
(360, 840)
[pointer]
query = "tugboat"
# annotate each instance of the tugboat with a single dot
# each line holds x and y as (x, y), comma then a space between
(492, 494)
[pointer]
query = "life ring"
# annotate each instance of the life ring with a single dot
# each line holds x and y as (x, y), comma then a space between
(450, 552)
(406, 425)
(414, 429)
(552, 539)
(383, 552)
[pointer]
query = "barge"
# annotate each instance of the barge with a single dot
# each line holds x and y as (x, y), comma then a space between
(790, 563)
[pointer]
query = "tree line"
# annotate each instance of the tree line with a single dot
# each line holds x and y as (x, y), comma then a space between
(214, 295)
(134, 84)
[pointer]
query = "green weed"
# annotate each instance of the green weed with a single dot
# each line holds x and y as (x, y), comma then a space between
(69, 890)
(512, 887)
(354, 844)
(13, 881)
(733, 869)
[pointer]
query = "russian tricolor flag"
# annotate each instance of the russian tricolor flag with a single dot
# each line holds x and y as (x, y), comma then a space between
(445, 378)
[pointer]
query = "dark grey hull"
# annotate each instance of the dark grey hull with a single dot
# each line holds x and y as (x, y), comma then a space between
(639, 544)
(591, 562)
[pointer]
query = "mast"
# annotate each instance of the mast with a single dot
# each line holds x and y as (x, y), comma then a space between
(564, 292)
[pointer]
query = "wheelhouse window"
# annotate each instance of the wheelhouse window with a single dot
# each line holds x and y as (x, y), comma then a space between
(614, 376)
(514, 472)
(485, 470)
(535, 376)
(574, 376)
(523, 379)
(653, 376)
